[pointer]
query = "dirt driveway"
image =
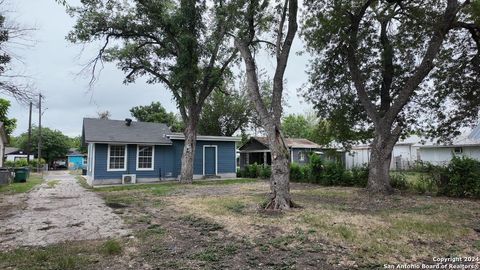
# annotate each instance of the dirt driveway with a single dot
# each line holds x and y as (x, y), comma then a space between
(59, 210)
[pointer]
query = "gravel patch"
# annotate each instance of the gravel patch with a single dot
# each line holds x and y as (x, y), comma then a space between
(65, 212)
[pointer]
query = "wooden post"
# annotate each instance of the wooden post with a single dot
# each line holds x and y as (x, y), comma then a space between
(39, 132)
(29, 144)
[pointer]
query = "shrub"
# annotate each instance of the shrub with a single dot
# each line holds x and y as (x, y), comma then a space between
(334, 174)
(296, 173)
(306, 173)
(425, 184)
(252, 171)
(9, 164)
(21, 163)
(265, 172)
(316, 169)
(359, 176)
(111, 247)
(461, 178)
(399, 181)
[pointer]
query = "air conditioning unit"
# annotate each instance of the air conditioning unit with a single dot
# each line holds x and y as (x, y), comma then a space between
(129, 178)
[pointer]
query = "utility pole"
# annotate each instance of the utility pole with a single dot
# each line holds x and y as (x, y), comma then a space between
(39, 131)
(29, 144)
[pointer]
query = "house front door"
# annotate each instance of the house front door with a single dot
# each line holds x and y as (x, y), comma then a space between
(210, 160)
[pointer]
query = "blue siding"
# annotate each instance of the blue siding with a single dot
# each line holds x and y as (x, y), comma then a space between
(210, 162)
(75, 162)
(226, 156)
(167, 160)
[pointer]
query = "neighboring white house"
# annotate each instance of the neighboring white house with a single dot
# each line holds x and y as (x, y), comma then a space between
(415, 149)
(14, 154)
(403, 156)
(468, 146)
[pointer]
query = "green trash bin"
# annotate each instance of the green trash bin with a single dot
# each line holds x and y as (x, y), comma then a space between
(21, 175)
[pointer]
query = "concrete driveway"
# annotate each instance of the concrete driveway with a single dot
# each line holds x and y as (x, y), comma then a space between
(64, 212)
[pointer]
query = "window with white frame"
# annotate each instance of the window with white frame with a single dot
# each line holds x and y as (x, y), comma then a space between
(301, 156)
(458, 150)
(117, 157)
(145, 157)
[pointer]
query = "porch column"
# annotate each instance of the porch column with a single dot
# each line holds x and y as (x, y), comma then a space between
(265, 158)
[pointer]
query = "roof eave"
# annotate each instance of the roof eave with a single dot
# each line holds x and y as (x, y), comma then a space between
(206, 138)
(123, 142)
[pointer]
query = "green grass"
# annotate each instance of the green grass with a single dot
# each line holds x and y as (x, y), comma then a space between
(208, 255)
(226, 182)
(62, 256)
(52, 183)
(411, 226)
(229, 205)
(157, 189)
(111, 247)
(153, 231)
(326, 192)
(75, 172)
(83, 182)
(476, 245)
(33, 181)
(201, 223)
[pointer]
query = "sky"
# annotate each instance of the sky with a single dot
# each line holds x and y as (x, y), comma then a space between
(54, 67)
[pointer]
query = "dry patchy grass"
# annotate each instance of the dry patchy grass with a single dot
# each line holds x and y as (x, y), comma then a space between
(219, 225)
(353, 226)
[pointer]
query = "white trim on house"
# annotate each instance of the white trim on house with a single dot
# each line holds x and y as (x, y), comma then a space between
(206, 138)
(93, 162)
(153, 158)
(128, 143)
(216, 158)
(89, 156)
(254, 151)
(124, 163)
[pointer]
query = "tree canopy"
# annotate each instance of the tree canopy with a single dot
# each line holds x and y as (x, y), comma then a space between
(12, 83)
(8, 123)
(389, 68)
(374, 57)
(54, 143)
(225, 112)
(155, 112)
(185, 45)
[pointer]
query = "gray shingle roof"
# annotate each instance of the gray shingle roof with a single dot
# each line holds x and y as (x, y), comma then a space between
(292, 142)
(116, 131)
(475, 134)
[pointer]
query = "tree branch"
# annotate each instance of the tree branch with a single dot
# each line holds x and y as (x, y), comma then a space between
(353, 64)
(426, 65)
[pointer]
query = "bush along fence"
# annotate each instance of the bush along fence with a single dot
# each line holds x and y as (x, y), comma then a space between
(460, 178)
(23, 163)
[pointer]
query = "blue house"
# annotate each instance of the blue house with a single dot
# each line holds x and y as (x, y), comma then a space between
(140, 152)
(76, 160)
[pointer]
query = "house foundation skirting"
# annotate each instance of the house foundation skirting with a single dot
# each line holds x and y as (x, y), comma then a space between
(100, 182)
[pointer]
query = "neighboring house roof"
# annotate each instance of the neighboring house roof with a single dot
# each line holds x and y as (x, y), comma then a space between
(462, 140)
(11, 150)
(416, 141)
(475, 134)
(15, 151)
(73, 152)
(117, 131)
(290, 142)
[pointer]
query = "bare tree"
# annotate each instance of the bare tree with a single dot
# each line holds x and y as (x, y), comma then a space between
(13, 35)
(270, 116)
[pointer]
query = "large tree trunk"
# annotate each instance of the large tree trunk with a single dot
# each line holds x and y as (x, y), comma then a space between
(379, 166)
(280, 179)
(186, 174)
